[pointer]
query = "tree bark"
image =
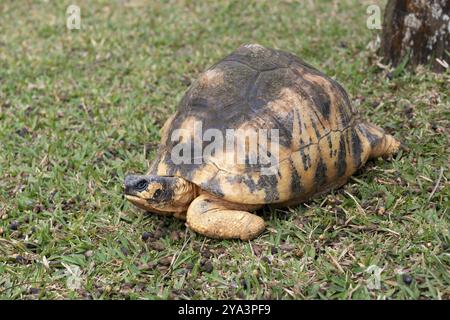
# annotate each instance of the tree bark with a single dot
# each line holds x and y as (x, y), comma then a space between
(419, 29)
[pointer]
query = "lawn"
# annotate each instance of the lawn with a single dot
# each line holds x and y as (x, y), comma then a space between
(79, 109)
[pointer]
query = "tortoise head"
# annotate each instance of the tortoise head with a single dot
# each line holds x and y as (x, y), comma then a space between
(158, 194)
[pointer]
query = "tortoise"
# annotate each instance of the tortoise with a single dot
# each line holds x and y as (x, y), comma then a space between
(321, 142)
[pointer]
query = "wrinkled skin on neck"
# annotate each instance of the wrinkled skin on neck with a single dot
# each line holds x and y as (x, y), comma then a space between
(162, 195)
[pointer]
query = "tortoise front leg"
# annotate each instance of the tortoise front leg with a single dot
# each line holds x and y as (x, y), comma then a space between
(216, 218)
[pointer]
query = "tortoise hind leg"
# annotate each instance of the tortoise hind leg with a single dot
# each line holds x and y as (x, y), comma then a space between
(216, 218)
(381, 143)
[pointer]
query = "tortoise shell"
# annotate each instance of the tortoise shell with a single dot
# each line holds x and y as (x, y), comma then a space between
(320, 140)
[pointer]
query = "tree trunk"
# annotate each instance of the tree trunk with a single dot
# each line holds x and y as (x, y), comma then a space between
(419, 29)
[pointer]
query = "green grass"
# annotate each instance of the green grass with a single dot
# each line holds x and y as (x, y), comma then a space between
(79, 109)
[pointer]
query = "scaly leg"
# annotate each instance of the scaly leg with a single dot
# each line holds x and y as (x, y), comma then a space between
(216, 218)
(382, 144)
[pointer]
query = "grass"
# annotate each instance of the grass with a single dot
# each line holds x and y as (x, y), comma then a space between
(79, 109)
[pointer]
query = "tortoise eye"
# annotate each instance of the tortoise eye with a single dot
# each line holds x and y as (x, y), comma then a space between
(141, 185)
(157, 193)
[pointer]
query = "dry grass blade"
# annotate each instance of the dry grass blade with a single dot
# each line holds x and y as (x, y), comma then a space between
(441, 174)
